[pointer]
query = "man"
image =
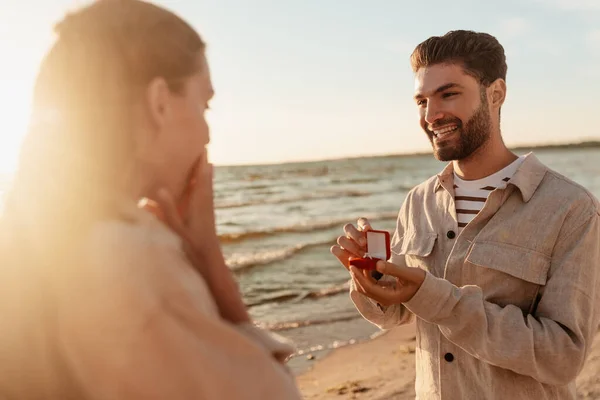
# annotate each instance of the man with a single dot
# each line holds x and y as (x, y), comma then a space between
(497, 256)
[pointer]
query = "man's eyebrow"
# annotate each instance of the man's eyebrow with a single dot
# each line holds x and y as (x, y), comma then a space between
(440, 89)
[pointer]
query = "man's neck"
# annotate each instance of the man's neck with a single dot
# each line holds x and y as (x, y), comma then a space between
(485, 161)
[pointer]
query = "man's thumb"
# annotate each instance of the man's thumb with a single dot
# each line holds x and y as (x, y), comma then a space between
(386, 268)
(402, 272)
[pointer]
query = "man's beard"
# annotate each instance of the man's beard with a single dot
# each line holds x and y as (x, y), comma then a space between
(471, 136)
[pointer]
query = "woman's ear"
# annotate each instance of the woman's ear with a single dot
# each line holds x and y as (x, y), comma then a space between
(157, 102)
(150, 117)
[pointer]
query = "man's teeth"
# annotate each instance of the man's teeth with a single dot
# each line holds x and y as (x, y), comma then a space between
(445, 131)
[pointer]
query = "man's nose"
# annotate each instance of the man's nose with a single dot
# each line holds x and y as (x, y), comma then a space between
(433, 114)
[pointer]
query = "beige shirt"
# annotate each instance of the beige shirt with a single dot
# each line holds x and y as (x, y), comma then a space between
(509, 307)
(135, 321)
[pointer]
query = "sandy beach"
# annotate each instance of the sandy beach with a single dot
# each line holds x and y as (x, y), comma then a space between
(384, 368)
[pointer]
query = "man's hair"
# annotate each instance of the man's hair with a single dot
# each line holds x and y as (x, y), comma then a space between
(480, 54)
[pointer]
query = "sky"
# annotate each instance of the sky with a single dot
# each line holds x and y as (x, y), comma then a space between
(318, 79)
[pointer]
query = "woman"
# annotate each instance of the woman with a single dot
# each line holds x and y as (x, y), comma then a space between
(102, 299)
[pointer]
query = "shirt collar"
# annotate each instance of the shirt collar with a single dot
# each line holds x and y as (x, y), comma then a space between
(446, 177)
(527, 178)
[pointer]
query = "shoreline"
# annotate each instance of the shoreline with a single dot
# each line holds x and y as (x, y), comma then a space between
(332, 337)
(383, 368)
(378, 368)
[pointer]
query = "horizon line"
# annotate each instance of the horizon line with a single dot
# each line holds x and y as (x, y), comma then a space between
(584, 143)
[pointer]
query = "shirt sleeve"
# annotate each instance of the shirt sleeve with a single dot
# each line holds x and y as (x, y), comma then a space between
(381, 316)
(145, 326)
(550, 346)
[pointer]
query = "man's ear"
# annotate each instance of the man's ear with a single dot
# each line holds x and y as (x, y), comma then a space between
(157, 102)
(497, 93)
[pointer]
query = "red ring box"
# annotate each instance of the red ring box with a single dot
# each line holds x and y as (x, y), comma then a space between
(378, 248)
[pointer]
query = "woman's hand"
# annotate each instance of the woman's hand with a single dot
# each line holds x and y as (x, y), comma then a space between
(193, 215)
(193, 219)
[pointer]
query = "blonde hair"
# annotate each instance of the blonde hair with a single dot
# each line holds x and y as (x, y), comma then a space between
(80, 144)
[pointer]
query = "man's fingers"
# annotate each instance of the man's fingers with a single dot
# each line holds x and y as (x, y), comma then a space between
(364, 224)
(351, 246)
(371, 288)
(359, 287)
(352, 233)
(341, 254)
(367, 274)
(406, 274)
(353, 272)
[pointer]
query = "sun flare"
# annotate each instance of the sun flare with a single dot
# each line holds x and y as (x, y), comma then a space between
(15, 121)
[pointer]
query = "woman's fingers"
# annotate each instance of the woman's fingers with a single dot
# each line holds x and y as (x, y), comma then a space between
(170, 212)
(201, 214)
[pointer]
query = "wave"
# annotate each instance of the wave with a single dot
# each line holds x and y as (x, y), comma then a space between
(309, 170)
(307, 227)
(288, 325)
(329, 291)
(354, 180)
(279, 298)
(259, 187)
(261, 201)
(240, 262)
(319, 347)
(298, 296)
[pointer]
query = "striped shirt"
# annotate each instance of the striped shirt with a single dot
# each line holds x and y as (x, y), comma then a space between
(470, 196)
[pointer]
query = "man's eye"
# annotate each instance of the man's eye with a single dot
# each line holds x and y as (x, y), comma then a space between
(449, 94)
(421, 103)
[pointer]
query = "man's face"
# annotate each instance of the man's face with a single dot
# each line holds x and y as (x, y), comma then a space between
(453, 110)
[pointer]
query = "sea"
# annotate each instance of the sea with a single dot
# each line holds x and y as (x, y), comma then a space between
(277, 223)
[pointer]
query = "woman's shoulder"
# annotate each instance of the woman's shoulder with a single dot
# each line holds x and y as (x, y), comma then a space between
(137, 253)
(134, 233)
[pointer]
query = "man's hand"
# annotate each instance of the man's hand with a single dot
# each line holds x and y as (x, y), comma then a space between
(408, 282)
(353, 243)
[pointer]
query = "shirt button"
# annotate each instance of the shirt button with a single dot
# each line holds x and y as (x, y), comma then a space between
(449, 357)
(450, 235)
